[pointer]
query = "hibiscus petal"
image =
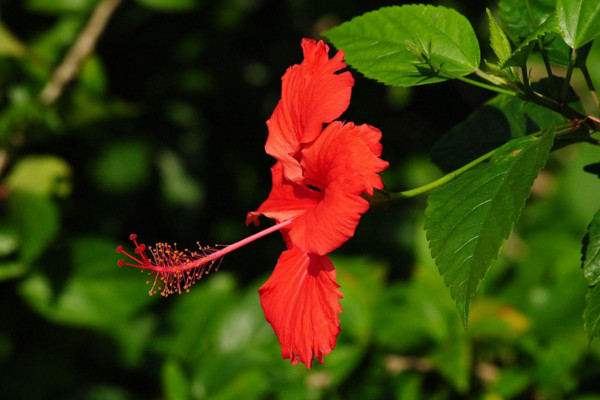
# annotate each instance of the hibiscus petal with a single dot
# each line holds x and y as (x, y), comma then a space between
(348, 153)
(312, 94)
(343, 162)
(328, 225)
(286, 200)
(301, 302)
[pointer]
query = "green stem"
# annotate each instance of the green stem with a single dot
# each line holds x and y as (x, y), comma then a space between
(439, 182)
(528, 95)
(560, 130)
(482, 85)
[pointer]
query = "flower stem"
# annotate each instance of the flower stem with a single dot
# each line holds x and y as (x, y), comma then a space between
(559, 130)
(444, 179)
(493, 88)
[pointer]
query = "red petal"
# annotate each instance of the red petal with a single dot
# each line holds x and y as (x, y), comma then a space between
(329, 224)
(343, 162)
(347, 153)
(301, 302)
(286, 200)
(312, 94)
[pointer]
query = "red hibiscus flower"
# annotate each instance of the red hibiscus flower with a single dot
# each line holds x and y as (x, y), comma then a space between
(316, 199)
(300, 299)
(318, 183)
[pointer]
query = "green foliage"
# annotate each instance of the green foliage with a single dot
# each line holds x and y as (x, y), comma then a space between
(498, 40)
(579, 20)
(522, 17)
(591, 314)
(499, 120)
(521, 53)
(469, 218)
(409, 45)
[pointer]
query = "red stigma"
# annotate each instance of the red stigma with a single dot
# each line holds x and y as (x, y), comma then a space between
(174, 271)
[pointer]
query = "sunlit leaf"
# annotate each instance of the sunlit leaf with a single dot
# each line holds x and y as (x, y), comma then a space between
(395, 45)
(42, 175)
(10, 45)
(579, 20)
(468, 219)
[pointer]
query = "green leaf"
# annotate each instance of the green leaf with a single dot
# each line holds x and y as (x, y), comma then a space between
(42, 175)
(169, 5)
(519, 57)
(522, 17)
(10, 45)
(498, 39)
(591, 313)
(174, 381)
(36, 220)
(97, 293)
(591, 252)
(499, 120)
(579, 20)
(408, 45)
(468, 219)
(123, 166)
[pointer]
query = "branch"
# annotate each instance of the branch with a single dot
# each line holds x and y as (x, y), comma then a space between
(83, 47)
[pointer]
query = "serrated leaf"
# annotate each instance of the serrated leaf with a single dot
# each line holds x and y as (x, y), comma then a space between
(498, 39)
(591, 313)
(591, 252)
(468, 219)
(579, 20)
(519, 57)
(522, 17)
(499, 120)
(397, 45)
